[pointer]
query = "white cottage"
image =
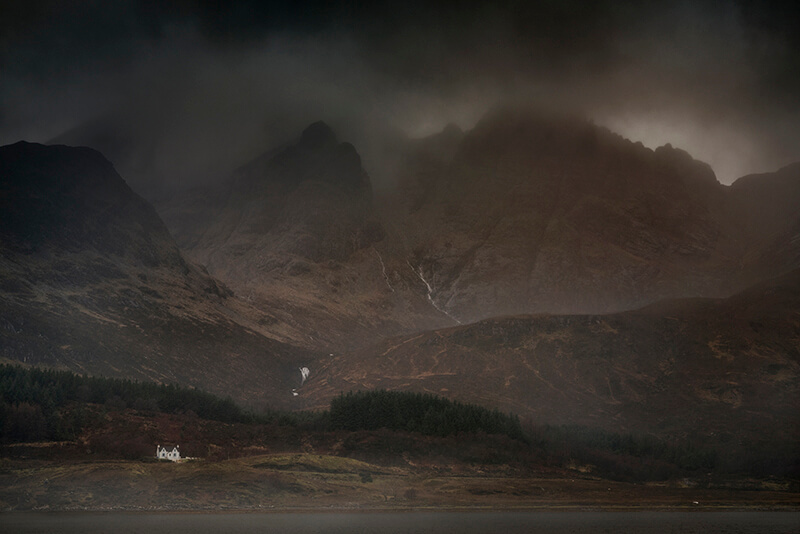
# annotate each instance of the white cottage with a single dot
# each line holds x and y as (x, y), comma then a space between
(163, 454)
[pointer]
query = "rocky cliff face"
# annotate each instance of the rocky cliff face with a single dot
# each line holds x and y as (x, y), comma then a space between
(91, 280)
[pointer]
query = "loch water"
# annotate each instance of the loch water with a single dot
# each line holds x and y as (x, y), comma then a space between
(405, 522)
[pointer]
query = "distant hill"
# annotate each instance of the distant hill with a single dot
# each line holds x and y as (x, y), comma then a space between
(725, 369)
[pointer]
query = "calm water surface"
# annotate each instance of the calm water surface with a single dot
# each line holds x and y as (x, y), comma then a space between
(390, 523)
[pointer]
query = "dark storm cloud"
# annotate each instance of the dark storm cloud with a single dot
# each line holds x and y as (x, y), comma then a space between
(201, 85)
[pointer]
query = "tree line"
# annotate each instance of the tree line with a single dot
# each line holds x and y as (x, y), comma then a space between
(47, 405)
(418, 412)
(33, 402)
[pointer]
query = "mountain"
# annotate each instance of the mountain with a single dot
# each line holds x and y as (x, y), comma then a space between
(92, 281)
(296, 232)
(310, 202)
(536, 213)
(725, 369)
(131, 147)
(528, 212)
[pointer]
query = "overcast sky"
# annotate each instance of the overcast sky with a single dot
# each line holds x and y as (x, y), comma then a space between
(206, 86)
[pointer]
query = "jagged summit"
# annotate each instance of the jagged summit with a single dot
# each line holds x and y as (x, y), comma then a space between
(694, 173)
(317, 135)
(310, 201)
(573, 149)
(317, 156)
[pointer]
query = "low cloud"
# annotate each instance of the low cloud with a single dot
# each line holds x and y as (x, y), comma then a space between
(200, 91)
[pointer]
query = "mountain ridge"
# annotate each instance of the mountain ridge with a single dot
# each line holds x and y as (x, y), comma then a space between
(527, 212)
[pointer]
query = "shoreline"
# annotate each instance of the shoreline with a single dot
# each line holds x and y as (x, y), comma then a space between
(554, 509)
(306, 483)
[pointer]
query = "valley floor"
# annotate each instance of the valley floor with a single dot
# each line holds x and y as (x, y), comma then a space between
(308, 482)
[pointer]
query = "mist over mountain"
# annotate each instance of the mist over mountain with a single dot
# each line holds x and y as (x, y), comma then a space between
(528, 212)
(199, 88)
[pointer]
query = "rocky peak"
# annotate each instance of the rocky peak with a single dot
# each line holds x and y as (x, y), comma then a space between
(568, 157)
(317, 156)
(532, 130)
(56, 169)
(310, 199)
(317, 136)
(680, 163)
